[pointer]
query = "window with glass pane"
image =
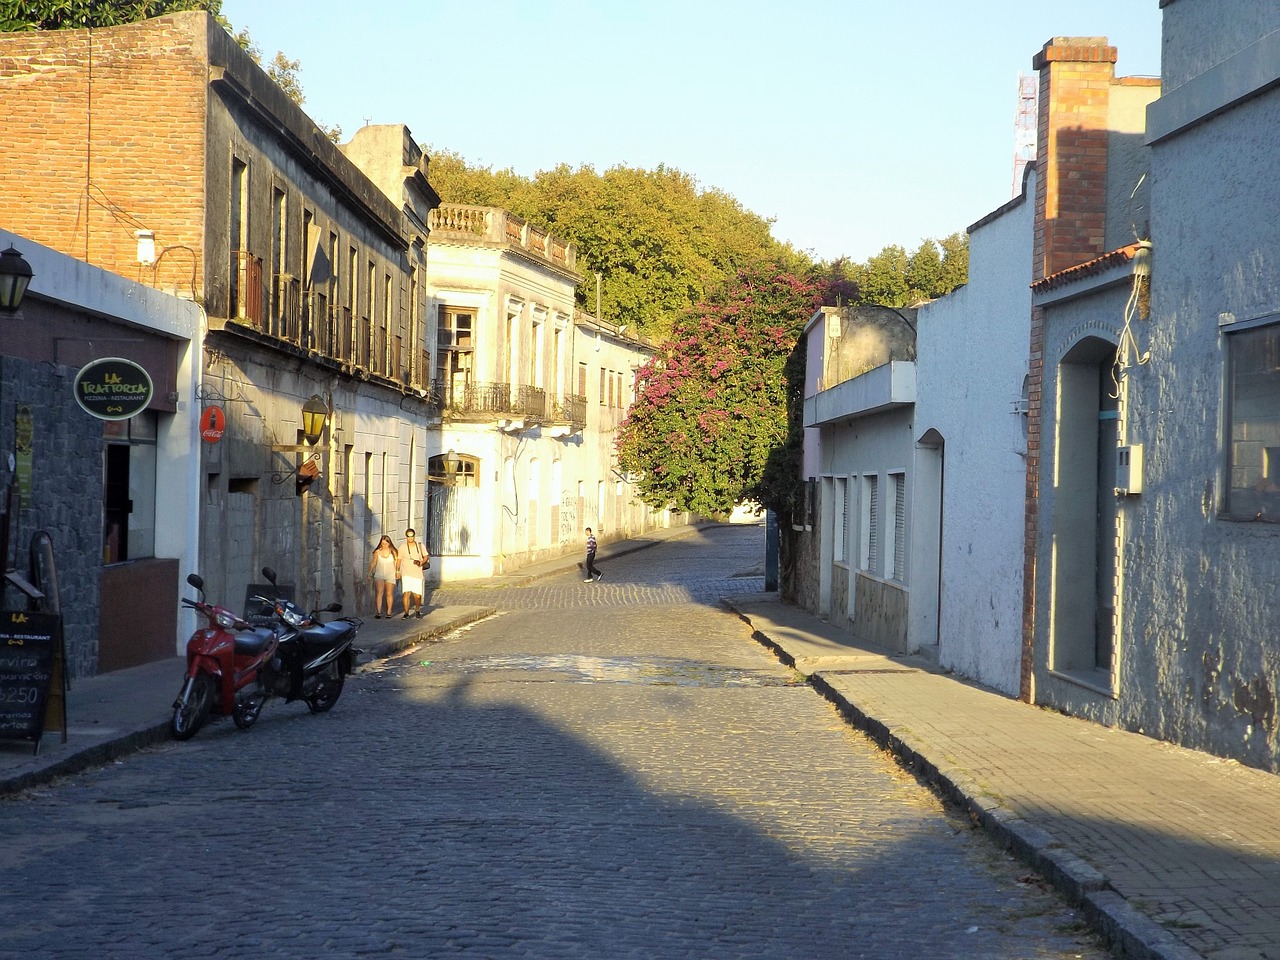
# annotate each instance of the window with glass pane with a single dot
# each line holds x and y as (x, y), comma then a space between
(1253, 467)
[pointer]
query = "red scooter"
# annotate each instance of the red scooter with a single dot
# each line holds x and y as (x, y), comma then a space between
(223, 662)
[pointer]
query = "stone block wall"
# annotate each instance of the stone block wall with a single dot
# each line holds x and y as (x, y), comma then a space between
(66, 495)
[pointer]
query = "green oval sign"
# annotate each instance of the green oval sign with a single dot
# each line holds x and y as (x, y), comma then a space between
(113, 388)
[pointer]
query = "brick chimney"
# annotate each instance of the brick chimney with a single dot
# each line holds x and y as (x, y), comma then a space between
(1076, 74)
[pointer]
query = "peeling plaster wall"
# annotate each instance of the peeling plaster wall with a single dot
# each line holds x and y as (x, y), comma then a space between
(1204, 595)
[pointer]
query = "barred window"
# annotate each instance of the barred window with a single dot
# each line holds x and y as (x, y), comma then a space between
(899, 565)
(841, 519)
(871, 524)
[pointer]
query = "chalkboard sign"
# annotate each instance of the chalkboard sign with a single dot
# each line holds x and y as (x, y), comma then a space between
(30, 660)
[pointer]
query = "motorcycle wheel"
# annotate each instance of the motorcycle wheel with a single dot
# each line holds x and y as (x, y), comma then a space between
(193, 707)
(246, 709)
(328, 690)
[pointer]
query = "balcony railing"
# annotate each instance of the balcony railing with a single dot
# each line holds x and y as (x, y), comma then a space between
(495, 225)
(501, 401)
(468, 399)
(286, 307)
(572, 410)
(531, 403)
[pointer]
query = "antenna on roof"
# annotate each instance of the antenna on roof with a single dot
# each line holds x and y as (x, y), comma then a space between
(1024, 136)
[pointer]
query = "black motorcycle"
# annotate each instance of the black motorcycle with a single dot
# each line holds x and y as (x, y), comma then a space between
(312, 660)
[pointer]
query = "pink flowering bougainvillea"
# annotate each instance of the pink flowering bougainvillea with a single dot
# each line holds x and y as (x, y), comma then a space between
(711, 406)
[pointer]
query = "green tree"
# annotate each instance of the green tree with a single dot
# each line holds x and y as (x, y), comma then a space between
(895, 278)
(884, 277)
(955, 262)
(711, 407)
(924, 273)
(72, 14)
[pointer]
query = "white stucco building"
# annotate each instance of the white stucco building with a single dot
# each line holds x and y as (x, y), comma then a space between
(531, 392)
(970, 456)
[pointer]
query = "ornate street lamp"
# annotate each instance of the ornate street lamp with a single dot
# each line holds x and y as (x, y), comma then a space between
(315, 416)
(15, 274)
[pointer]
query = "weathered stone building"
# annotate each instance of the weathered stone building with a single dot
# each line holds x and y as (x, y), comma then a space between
(172, 158)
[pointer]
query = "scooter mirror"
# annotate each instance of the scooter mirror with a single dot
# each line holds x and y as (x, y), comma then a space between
(333, 607)
(270, 575)
(196, 581)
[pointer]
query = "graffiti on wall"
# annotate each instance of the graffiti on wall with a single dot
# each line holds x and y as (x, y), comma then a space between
(568, 516)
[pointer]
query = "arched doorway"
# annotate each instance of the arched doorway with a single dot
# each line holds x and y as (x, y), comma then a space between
(926, 544)
(1082, 632)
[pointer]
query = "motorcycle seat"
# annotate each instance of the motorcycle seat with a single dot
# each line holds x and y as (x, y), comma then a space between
(250, 643)
(326, 633)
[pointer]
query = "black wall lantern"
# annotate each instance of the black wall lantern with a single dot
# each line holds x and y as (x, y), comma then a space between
(315, 417)
(15, 275)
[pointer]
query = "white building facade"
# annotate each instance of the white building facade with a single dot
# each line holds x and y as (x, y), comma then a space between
(531, 393)
(966, 567)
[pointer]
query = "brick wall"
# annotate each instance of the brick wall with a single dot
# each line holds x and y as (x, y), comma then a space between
(1076, 76)
(104, 135)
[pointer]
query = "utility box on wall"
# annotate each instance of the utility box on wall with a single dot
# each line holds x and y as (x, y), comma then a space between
(1129, 470)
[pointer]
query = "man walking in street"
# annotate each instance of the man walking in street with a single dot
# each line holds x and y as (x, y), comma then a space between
(592, 572)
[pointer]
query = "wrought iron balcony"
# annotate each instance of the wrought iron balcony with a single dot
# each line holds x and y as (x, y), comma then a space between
(572, 410)
(525, 405)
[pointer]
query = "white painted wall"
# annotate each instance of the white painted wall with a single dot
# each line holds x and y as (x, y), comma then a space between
(972, 347)
(815, 339)
(513, 530)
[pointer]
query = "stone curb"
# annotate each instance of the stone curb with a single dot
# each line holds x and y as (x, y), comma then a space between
(1125, 929)
(93, 756)
(389, 648)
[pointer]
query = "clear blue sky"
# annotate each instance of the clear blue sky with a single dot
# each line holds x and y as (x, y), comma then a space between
(852, 124)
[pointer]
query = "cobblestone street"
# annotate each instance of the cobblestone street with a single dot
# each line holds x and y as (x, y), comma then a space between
(600, 770)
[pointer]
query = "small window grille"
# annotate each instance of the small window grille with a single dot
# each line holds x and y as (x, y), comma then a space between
(872, 559)
(841, 518)
(899, 527)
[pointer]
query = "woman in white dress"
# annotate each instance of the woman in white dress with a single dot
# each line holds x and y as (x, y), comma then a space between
(416, 560)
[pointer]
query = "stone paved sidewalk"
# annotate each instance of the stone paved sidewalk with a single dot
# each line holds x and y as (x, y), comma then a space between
(1174, 854)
